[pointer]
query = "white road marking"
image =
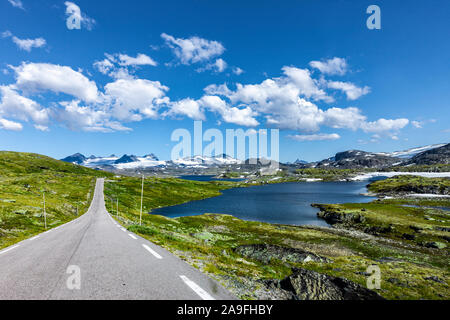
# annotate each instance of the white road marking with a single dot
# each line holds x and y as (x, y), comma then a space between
(132, 236)
(9, 249)
(34, 238)
(153, 252)
(202, 293)
(123, 229)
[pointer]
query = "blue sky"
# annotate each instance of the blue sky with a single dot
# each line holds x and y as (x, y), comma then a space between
(310, 68)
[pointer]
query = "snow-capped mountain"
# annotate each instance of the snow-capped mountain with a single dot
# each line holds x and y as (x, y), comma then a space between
(407, 154)
(206, 161)
(148, 161)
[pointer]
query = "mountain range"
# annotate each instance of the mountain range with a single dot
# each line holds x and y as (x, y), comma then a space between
(431, 154)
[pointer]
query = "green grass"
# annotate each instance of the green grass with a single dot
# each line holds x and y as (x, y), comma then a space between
(208, 242)
(23, 179)
(330, 174)
(411, 184)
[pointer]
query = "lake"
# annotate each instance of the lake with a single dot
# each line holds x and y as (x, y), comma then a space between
(283, 203)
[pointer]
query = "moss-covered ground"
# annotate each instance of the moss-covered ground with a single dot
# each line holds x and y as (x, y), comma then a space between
(24, 177)
(208, 242)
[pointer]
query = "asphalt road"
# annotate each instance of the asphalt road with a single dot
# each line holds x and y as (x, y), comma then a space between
(93, 257)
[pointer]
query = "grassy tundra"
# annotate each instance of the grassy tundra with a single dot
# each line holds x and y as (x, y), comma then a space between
(23, 179)
(218, 244)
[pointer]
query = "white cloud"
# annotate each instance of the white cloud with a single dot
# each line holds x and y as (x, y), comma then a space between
(135, 99)
(73, 11)
(240, 116)
(238, 71)
(122, 66)
(17, 4)
(221, 90)
(140, 60)
(6, 34)
(194, 109)
(17, 107)
(186, 107)
(285, 103)
(104, 66)
(41, 127)
(10, 125)
(194, 49)
(417, 124)
(220, 65)
(382, 125)
(32, 77)
(335, 66)
(306, 85)
(217, 66)
(86, 118)
(28, 44)
(25, 44)
(315, 137)
(344, 118)
(352, 91)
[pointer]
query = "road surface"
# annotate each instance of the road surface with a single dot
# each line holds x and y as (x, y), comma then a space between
(93, 257)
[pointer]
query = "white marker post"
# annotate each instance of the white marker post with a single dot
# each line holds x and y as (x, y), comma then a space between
(45, 214)
(142, 199)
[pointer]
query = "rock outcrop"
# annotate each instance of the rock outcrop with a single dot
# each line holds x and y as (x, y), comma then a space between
(265, 252)
(310, 285)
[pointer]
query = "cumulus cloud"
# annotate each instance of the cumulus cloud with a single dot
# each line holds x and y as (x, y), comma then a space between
(240, 116)
(135, 99)
(34, 77)
(335, 66)
(17, 4)
(76, 18)
(10, 125)
(104, 66)
(352, 91)
(382, 125)
(315, 137)
(186, 107)
(238, 71)
(140, 60)
(123, 100)
(286, 102)
(194, 49)
(122, 66)
(417, 124)
(86, 118)
(25, 44)
(15, 106)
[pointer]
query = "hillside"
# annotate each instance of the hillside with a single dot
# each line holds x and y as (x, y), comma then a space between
(23, 179)
(439, 155)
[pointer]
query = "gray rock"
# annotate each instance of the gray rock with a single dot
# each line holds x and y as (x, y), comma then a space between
(311, 285)
(266, 252)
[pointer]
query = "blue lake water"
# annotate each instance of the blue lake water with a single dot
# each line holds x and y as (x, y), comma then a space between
(284, 203)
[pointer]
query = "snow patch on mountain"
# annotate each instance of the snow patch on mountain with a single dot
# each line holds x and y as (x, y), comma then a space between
(406, 154)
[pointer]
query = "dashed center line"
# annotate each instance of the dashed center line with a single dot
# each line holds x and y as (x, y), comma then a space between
(197, 289)
(153, 252)
(132, 236)
(9, 249)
